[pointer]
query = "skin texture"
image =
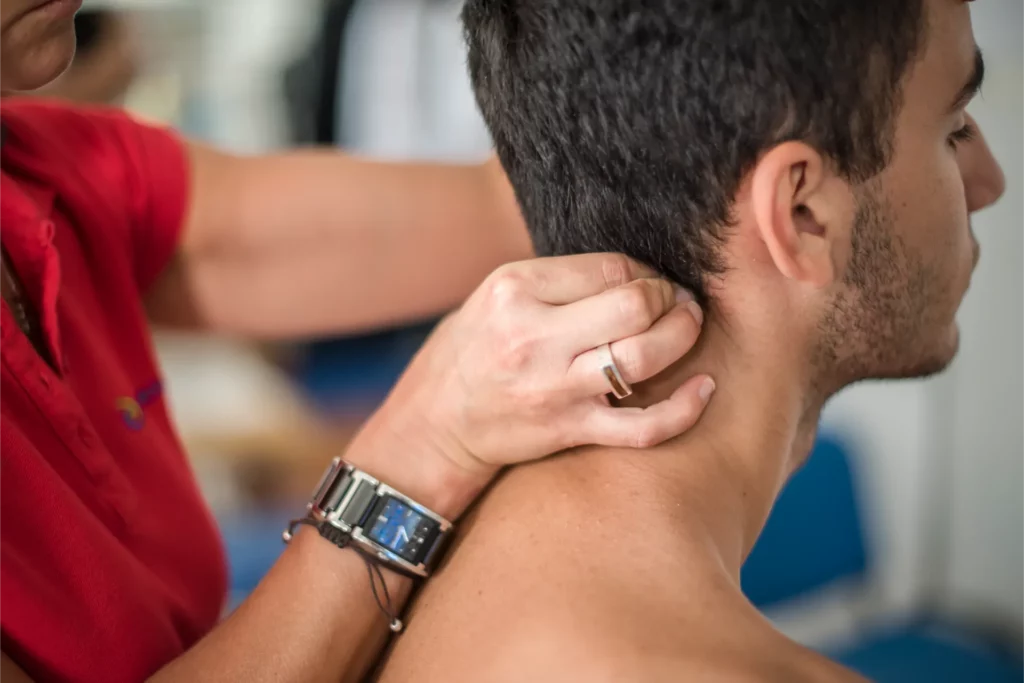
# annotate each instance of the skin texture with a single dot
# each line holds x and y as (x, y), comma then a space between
(629, 569)
(34, 47)
(265, 238)
(315, 242)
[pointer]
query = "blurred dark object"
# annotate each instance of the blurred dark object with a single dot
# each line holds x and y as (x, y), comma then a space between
(313, 82)
(815, 538)
(89, 25)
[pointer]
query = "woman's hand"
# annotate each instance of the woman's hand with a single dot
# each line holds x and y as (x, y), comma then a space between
(510, 377)
(516, 374)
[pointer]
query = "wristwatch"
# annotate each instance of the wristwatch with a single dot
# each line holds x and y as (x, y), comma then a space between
(354, 508)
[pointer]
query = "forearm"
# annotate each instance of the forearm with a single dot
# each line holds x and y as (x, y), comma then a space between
(315, 241)
(306, 621)
(313, 617)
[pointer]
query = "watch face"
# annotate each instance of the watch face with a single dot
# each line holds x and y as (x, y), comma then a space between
(402, 530)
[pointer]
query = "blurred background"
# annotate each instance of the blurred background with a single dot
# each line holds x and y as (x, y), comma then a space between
(899, 549)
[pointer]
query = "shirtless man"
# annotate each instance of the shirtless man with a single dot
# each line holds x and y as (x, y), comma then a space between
(808, 168)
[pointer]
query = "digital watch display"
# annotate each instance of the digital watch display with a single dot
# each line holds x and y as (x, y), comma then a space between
(379, 520)
(401, 529)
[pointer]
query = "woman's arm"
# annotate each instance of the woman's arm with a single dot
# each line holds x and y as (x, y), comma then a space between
(313, 616)
(317, 242)
(513, 376)
(509, 378)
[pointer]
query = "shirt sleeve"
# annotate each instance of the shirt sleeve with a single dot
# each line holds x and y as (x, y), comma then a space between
(156, 163)
(140, 170)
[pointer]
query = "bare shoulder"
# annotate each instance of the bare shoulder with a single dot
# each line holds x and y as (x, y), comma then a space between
(558, 650)
(554, 650)
(774, 660)
(513, 600)
(518, 649)
(531, 593)
(754, 663)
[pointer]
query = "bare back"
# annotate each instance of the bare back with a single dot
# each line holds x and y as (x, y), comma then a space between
(553, 580)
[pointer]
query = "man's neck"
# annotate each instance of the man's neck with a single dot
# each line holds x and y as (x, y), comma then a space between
(719, 480)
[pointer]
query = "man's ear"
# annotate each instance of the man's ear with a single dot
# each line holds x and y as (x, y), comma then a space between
(794, 198)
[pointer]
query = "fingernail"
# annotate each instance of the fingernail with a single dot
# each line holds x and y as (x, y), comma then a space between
(682, 294)
(696, 312)
(707, 388)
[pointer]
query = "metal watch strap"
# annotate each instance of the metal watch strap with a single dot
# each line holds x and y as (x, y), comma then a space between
(377, 520)
(327, 531)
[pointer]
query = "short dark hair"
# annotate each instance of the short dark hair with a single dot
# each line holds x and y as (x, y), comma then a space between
(628, 125)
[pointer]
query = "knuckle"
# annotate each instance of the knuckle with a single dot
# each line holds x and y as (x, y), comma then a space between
(506, 286)
(529, 405)
(648, 435)
(660, 292)
(566, 434)
(686, 333)
(615, 268)
(687, 414)
(690, 413)
(539, 279)
(686, 418)
(636, 306)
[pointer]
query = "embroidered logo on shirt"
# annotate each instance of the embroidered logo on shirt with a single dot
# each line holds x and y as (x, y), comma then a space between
(132, 408)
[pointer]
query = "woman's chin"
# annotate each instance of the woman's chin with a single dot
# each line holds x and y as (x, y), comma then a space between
(27, 70)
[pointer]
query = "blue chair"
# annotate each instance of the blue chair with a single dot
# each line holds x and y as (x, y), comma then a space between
(815, 538)
(252, 543)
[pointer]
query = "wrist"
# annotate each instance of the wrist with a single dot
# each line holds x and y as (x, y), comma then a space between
(411, 460)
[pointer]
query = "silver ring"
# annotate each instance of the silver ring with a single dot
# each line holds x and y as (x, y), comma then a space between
(620, 387)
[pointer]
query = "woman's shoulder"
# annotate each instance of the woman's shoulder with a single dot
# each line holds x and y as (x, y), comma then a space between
(39, 125)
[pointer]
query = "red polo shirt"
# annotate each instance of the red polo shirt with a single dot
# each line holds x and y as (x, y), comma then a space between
(110, 564)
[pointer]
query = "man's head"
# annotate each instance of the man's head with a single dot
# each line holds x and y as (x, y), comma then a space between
(811, 149)
(37, 41)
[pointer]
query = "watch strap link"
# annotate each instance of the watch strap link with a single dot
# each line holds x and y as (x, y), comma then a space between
(352, 509)
(344, 494)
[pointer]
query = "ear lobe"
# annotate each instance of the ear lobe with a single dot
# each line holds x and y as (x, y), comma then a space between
(786, 192)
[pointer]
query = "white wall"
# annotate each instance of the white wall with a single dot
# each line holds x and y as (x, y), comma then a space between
(246, 46)
(406, 93)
